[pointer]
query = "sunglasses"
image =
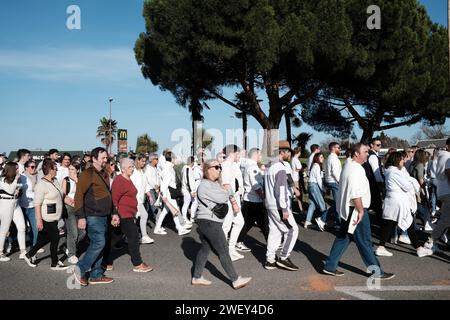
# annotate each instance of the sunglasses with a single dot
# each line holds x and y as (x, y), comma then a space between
(378, 145)
(32, 167)
(218, 167)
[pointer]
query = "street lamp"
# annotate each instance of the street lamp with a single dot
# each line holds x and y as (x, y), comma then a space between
(110, 126)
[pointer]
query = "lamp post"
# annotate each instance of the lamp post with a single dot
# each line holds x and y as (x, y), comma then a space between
(110, 127)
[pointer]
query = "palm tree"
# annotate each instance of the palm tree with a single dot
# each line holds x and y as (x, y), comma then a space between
(145, 144)
(106, 134)
(301, 140)
(196, 108)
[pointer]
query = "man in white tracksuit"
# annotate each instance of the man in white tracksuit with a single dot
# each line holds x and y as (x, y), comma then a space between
(231, 179)
(281, 219)
(188, 187)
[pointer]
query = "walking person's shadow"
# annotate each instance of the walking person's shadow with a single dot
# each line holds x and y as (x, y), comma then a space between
(190, 249)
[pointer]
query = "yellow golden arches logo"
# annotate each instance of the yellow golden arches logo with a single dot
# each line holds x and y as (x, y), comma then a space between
(123, 134)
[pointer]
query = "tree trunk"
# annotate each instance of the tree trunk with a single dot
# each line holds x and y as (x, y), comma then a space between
(244, 129)
(287, 117)
(367, 135)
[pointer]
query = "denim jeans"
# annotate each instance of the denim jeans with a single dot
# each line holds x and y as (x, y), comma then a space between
(31, 217)
(334, 187)
(316, 201)
(212, 236)
(92, 260)
(432, 189)
(423, 212)
(363, 239)
(74, 235)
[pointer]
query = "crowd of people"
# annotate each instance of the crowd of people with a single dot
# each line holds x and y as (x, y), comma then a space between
(99, 204)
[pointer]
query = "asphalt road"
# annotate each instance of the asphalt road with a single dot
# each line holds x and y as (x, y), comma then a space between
(172, 257)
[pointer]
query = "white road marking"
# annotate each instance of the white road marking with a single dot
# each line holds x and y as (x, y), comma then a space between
(361, 291)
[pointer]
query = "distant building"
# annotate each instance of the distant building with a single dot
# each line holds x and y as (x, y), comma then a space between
(39, 155)
(431, 144)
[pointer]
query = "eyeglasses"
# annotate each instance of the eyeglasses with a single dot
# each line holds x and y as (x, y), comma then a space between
(32, 167)
(218, 167)
(378, 145)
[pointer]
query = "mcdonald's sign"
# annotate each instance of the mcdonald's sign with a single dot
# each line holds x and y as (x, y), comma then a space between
(122, 145)
(123, 134)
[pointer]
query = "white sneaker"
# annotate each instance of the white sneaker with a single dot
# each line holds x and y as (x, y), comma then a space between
(382, 252)
(234, 255)
(41, 250)
(307, 224)
(428, 227)
(160, 232)
(429, 244)
(183, 231)
(433, 213)
(9, 248)
(404, 239)
(241, 282)
(73, 260)
(320, 224)
(60, 267)
(4, 258)
(240, 246)
(147, 240)
(22, 255)
(423, 252)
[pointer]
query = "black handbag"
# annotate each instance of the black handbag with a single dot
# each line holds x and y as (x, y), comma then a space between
(51, 208)
(220, 210)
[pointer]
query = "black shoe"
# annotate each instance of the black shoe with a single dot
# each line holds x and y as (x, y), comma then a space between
(336, 273)
(31, 261)
(286, 264)
(384, 276)
(270, 265)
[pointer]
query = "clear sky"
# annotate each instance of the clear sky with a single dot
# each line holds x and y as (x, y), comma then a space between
(55, 82)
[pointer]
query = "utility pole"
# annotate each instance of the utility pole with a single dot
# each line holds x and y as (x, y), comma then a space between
(110, 128)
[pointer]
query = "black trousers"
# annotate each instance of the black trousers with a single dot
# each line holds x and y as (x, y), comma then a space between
(388, 226)
(49, 233)
(130, 229)
(253, 212)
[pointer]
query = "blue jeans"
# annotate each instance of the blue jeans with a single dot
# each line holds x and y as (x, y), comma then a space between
(92, 260)
(316, 201)
(334, 187)
(363, 239)
(31, 217)
(432, 189)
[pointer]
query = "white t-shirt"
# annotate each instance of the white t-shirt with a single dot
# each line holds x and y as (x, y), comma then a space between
(230, 174)
(333, 168)
(296, 165)
(353, 185)
(62, 173)
(442, 183)
(315, 175)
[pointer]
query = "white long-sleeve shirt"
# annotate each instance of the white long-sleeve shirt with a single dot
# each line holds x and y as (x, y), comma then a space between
(315, 175)
(152, 176)
(333, 169)
(197, 173)
(253, 182)
(188, 182)
(140, 182)
(374, 163)
(168, 179)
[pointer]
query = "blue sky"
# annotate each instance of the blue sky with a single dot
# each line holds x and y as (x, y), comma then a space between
(55, 82)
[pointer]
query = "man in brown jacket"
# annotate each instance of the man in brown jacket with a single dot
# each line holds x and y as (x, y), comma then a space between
(93, 205)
